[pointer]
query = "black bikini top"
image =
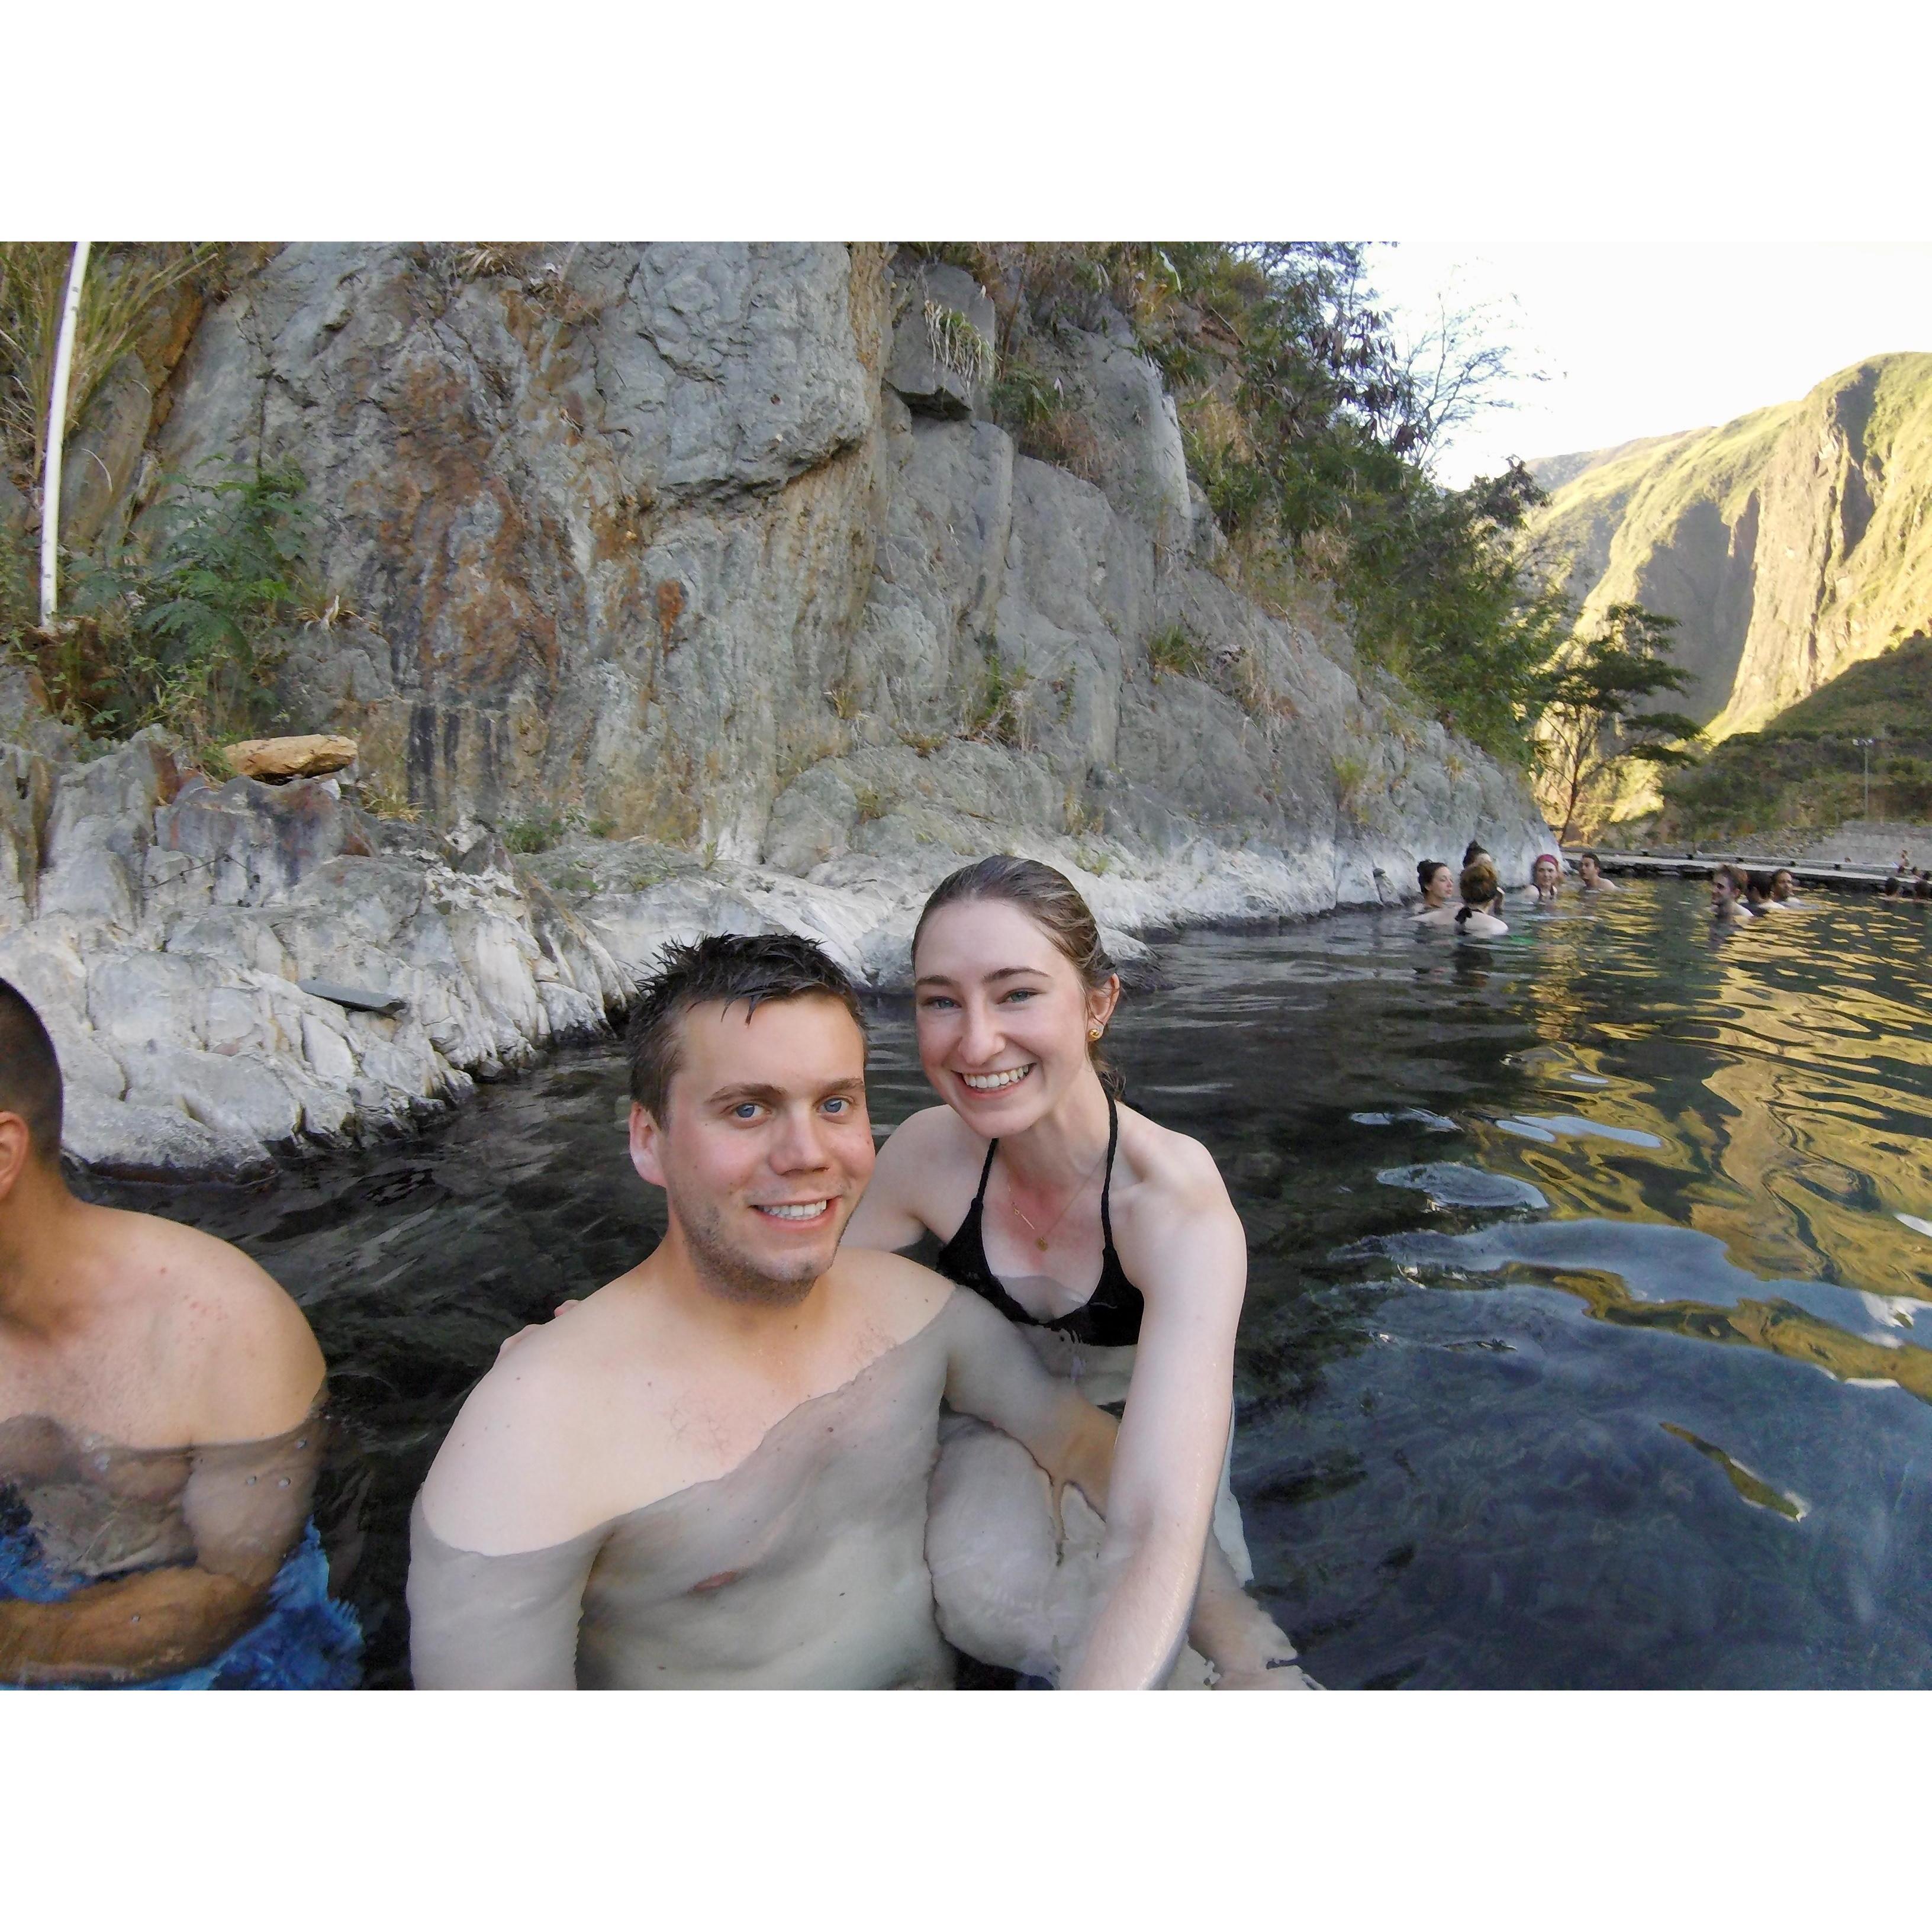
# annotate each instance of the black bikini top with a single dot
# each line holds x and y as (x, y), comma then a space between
(1110, 1318)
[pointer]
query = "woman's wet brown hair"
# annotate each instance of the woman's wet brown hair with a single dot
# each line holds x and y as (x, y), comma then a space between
(1052, 901)
(1478, 882)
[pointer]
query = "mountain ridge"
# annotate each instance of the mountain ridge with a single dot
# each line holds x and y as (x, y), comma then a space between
(1788, 542)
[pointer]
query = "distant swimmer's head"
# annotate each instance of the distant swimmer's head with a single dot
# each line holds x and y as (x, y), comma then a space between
(1545, 874)
(1782, 885)
(1013, 992)
(748, 1092)
(1757, 889)
(1471, 852)
(1477, 884)
(1728, 887)
(1589, 868)
(1436, 880)
(30, 1094)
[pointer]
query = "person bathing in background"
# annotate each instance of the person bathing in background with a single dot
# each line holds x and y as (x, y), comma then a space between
(1784, 887)
(1546, 875)
(1473, 852)
(1440, 905)
(714, 1470)
(1105, 1241)
(1758, 894)
(161, 1426)
(1728, 888)
(1438, 886)
(1478, 886)
(1590, 874)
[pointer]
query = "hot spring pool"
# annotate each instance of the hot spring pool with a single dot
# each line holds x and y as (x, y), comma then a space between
(1587, 1333)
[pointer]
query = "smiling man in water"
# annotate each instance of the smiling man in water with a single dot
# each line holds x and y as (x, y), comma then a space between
(714, 1472)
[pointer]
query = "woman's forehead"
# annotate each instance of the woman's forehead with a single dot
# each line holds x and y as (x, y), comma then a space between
(976, 937)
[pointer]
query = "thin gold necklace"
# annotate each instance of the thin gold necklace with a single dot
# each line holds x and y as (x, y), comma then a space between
(1040, 1238)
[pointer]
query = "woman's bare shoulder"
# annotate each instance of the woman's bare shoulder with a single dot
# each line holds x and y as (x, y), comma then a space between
(932, 1130)
(927, 1150)
(1174, 1168)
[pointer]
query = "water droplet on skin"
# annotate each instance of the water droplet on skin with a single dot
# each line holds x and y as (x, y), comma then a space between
(250, 1482)
(302, 1442)
(281, 1482)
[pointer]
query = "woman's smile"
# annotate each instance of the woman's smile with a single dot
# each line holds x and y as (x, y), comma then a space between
(999, 1082)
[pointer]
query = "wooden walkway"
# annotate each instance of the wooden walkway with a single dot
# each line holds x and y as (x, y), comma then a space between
(1697, 864)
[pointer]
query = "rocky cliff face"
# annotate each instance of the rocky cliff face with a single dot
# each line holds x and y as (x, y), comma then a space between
(713, 554)
(1788, 545)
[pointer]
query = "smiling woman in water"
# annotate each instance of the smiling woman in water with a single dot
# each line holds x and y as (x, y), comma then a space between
(1109, 1242)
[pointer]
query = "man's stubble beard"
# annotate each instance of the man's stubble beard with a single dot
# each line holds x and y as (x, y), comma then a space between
(728, 1272)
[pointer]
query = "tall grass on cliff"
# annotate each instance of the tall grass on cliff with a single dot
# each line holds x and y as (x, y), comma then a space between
(126, 284)
(1310, 428)
(183, 625)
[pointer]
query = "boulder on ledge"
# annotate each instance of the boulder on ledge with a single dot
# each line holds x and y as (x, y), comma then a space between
(276, 759)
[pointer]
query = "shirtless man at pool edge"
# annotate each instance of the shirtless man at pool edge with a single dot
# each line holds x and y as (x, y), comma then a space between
(156, 1389)
(715, 1472)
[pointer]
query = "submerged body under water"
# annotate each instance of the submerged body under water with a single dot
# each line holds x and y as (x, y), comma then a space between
(1590, 1298)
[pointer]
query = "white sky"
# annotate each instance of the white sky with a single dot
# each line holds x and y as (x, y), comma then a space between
(1640, 337)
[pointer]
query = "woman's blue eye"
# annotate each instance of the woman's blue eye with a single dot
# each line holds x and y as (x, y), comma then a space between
(1022, 993)
(936, 1000)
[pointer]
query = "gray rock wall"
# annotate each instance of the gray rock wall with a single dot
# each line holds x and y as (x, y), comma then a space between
(697, 546)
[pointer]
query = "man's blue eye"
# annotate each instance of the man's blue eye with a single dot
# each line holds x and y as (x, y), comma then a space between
(745, 1110)
(838, 1106)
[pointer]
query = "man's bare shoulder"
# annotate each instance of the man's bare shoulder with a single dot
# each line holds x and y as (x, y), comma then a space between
(899, 1296)
(227, 1333)
(520, 1467)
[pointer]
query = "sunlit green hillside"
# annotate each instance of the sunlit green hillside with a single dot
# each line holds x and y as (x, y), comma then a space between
(1788, 544)
(1808, 768)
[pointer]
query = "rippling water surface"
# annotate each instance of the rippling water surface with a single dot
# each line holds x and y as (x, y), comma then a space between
(1588, 1324)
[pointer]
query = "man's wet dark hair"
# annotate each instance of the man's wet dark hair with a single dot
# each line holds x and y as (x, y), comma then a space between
(1589, 854)
(724, 967)
(30, 1075)
(1473, 850)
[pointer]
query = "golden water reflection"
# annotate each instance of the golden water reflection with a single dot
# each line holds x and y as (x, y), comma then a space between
(1785, 1078)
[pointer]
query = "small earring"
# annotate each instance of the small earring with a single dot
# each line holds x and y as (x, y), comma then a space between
(1094, 1033)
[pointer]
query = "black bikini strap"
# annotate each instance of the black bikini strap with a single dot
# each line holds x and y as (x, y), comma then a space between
(985, 1174)
(1107, 1179)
